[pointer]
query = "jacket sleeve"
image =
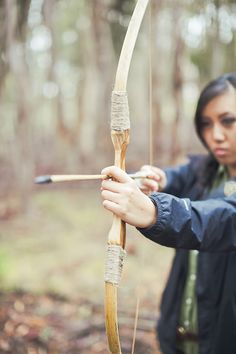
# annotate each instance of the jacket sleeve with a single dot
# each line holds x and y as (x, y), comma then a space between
(208, 225)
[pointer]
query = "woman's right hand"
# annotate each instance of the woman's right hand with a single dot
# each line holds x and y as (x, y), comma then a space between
(155, 182)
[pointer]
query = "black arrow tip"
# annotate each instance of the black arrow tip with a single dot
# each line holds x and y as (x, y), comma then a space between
(42, 180)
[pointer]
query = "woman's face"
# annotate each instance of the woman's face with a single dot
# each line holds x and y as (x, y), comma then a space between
(218, 127)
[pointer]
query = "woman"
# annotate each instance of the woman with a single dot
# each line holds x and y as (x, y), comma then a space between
(188, 210)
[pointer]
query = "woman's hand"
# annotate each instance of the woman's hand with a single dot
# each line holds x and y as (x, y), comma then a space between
(122, 197)
(155, 182)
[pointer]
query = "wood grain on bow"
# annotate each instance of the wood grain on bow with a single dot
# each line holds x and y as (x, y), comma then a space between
(120, 126)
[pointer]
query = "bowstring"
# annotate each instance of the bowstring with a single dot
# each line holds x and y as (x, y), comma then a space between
(150, 133)
(150, 149)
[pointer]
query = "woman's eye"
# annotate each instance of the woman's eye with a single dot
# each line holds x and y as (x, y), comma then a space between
(205, 124)
(228, 121)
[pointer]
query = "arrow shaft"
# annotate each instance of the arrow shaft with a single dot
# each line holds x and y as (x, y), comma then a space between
(71, 178)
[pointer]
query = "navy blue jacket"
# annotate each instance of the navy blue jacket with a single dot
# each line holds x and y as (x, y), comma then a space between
(208, 225)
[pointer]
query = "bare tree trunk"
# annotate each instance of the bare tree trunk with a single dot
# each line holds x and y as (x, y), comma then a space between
(65, 135)
(217, 55)
(3, 63)
(97, 58)
(22, 152)
(156, 130)
(119, 8)
(89, 112)
(178, 46)
(105, 57)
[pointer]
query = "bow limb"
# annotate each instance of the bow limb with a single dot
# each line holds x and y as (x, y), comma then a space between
(120, 127)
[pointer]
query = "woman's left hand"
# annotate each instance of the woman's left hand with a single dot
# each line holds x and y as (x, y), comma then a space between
(122, 197)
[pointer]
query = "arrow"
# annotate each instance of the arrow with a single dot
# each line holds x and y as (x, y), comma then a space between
(71, 178)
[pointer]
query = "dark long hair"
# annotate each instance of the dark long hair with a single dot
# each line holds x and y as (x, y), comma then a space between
(213, 89)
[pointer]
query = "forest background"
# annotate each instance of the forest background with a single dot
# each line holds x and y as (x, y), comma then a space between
(58, 60)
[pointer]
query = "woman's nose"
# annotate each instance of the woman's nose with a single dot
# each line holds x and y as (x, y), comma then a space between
(218, 133)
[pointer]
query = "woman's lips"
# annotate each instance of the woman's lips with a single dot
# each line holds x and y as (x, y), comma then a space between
(220, 152)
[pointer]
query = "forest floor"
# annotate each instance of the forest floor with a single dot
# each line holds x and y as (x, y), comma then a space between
(52, 287)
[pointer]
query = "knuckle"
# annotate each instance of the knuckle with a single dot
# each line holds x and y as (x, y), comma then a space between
(145, 168)
(129, 188)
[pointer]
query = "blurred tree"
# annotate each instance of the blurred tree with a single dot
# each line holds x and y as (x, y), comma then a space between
(119, 16)
(64, 135)
(215, 42)
(157, 133)
(20, 32)
(58, 61)
(22, 154)
(177, 79)
(105, 62)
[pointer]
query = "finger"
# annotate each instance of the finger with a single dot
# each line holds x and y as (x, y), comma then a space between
(112, 186)
(111, 206)
(152, 172)
(116, 173)
(155, 177)
(146, 191)
(146, 168)
(110, 196)
(117, 187)
(149, 185)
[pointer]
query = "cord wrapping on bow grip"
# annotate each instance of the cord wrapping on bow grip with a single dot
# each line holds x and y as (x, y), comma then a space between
(114, 264)
(119, 111)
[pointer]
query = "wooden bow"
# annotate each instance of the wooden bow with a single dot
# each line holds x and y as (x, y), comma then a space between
(120, 126)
